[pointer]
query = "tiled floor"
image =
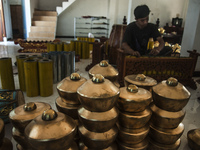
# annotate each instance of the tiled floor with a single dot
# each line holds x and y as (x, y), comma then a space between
(191, 120)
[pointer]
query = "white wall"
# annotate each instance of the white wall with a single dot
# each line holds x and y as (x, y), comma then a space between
(7, 18)
(191, 33)
(165, 10)
(50, 4)
(15, 2)
(65, 24)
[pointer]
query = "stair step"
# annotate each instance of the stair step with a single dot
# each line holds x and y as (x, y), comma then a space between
(44, 13)
(44, 18)
(42, 29)
(42, 34)
(40, 39)
(44, 23)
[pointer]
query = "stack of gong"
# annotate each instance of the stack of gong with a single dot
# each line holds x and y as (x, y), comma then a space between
(170, 97)
(134, 116)
(5, 143)
(68, 102)
(98, 114)
(140, 80)
(20, 117)
(106, 70)
(51, 131)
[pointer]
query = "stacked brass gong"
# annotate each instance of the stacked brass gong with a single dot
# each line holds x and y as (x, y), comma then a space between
(68, 102)
(51, 131)
(134, 116)
(106, 70)
(98, 114)
(166, 127)
(5, 143)
(193, 137)
(20, 117)
(140, 80)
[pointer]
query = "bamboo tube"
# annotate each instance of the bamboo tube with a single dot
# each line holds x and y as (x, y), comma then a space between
(20, 67)
(67, 47)
(85, 50)
(72, 45)
(78, 48)
(45, 77)
(52, 47)
(6, 73)
(59, 46)
(31, 78)
(48, 47)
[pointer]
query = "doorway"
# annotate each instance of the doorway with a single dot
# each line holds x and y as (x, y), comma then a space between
(2, 22)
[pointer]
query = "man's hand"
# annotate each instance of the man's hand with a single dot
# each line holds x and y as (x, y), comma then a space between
(154, 52)
(136, 53)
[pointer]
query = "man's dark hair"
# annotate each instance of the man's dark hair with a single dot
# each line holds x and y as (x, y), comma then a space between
(141, 11)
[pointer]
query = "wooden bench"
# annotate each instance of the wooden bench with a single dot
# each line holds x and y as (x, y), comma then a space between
(159, 68)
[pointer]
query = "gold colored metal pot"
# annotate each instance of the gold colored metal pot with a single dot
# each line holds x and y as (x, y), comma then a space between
(2, 131)
(21, 116)
(67, 108)
(111, 147)
(20, 139)
(106, 70)
(170, 95)
(193, 137)
(157, 146)
(132, 136)
(134, 120)
(140, 80)
(166, 119)
(98, 121)
(133, 99)
(67, 88)
(51, 130)
(166, 136)
(94, 140)
(139, 146)
(98, 94)
(6, 145)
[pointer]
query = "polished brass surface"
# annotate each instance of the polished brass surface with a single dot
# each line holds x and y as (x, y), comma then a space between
(166, 119)
(94, 140)
(2, 129)
(172, 81)
(20, 139)
(166, 136)
(157, 146)
(170, 98)
(113, 146)
(105, 69)
(67, 88)
(139, 146)
(98, 121)
(49, 115)
(98, 97)
(132, 136)
(193, 137)
(20, 118)
(6, 145)
(29, 106)
(98, 78)
(52, 134)
(67, 108)
(140, 80)
(135, 101)
(134, 120)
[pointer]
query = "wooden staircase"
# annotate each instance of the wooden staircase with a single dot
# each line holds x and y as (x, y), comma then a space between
(43, 26)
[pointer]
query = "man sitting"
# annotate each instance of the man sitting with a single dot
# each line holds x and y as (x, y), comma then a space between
(139, 32)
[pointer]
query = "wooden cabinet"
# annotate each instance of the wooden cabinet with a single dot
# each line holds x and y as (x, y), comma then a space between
(17, 23)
